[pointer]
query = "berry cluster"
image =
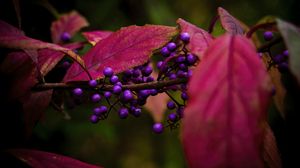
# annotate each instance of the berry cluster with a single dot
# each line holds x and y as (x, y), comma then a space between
(175, 62)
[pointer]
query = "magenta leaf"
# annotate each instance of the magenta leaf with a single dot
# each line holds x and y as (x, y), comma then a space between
(229, 23)
(291, 36)
(68, 23)
(229, 95)
(94, 37)
(11, 37)
(200, 39)
(130, 46)
(40, 159)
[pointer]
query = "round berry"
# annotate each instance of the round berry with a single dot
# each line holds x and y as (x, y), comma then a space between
(165, 52)
(191, 59)
(96, 97)
(153, 92)
(171, 105)
(268, 35)
(127, 95)
(107, 94)
(158, 128)
(278, 58)
(100, 110)
(159, 64)
(260, 55)
(181, 74)
(285, 53)
(283, 67)
(128, 73)
(114, 79)
(147, 71)
(189, 73)
(184, 96)
(77, 92)
(144, 93)
(93, 83)
(172, 117)
(172, 76)
(183, 67)
(108, 71)
(117, 89)
(137, 112)
(180, 59)
(123, 113)
(185, 37)
(171, 46)
(149, 79)
(94, 119)
(136, 73)
(65, 36)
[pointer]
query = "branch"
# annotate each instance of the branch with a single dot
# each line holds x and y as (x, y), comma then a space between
(149, 85)
(266, 46)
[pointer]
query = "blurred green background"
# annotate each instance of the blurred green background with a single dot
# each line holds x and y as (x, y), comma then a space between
(127, 143)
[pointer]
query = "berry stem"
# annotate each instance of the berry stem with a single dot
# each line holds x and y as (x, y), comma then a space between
(265, 47)
(140, 86)
(213, 23)
(178, 104)
(259, 26)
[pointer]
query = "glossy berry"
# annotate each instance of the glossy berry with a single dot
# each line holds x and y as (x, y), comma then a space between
(136, 73)
(165, 52)
(114, 79)
(260, 55)
(117, 89)
(93, 83)
(77, 92)
(183, 67)
(159, 64)
(128, 73)
(137, 112)
(149, 79)
(172, 117)
(94, 119)
(171, 105)
(100, 110)
(278, 58)
(184, 96)
(65, 36)
(96, 97)
(144, 93)
(153, 92)
(285, 53)
(103, 109)
(147, 71)
(108, 71)
(191, 59)
(172, 76)
(158, 128)
(123, 113)
(171, 46)
(107, 94)
(189, 73)
(182, 74)
(268, 35)
(127, 95)
(180, 59)
(185, 37)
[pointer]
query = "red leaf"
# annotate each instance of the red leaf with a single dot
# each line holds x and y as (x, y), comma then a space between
(200, 39)
(229, 96)
(33, 106)
(95, 36)
(270, 151)
(126, 48)
(11, 37)
(70, 23)
(229, 23)
(40, 159)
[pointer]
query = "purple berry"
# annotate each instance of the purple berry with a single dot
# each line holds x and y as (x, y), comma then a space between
(66, 64)
(93, 83)
(117, 89)
(65, 36)
(172, 76)
(158, 128)
(165, 52)
(260, 55)
(149, 79)
(100, 110)
(191, 59)
(123, 113)
(144, 93)
(278, 58)
(171, 105)
(96, 97)
(127, 95)
(128, 73)
(103, 109)
(114, 79)
(171, 46)
(185, 37)
(159, 64)
(136, 73)
(94, 119)
(268, 35)
(147, 71)
(108, 71)
(283, 67)
(153, 92)
(107, 94)
(285, 53)
(172, 117)
(184, 96)
(189, 73)
(182, 74)
(77, 92)
(183, 67)
(180, 59)
(137, 112)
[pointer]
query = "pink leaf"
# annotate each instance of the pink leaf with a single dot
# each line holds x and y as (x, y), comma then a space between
(229, 95)
(95, 36)
(200, 39)
(229, 23)
(40, 159)
(70, 23)
(131, 46)
(11, 37)
(33, 107)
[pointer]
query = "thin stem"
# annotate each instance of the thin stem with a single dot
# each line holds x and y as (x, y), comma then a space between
(259, 26)
(212, 24)
(178, 104)
(149, 85)
(266, 47)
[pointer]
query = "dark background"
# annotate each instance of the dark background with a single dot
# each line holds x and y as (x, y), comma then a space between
(115, 142)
